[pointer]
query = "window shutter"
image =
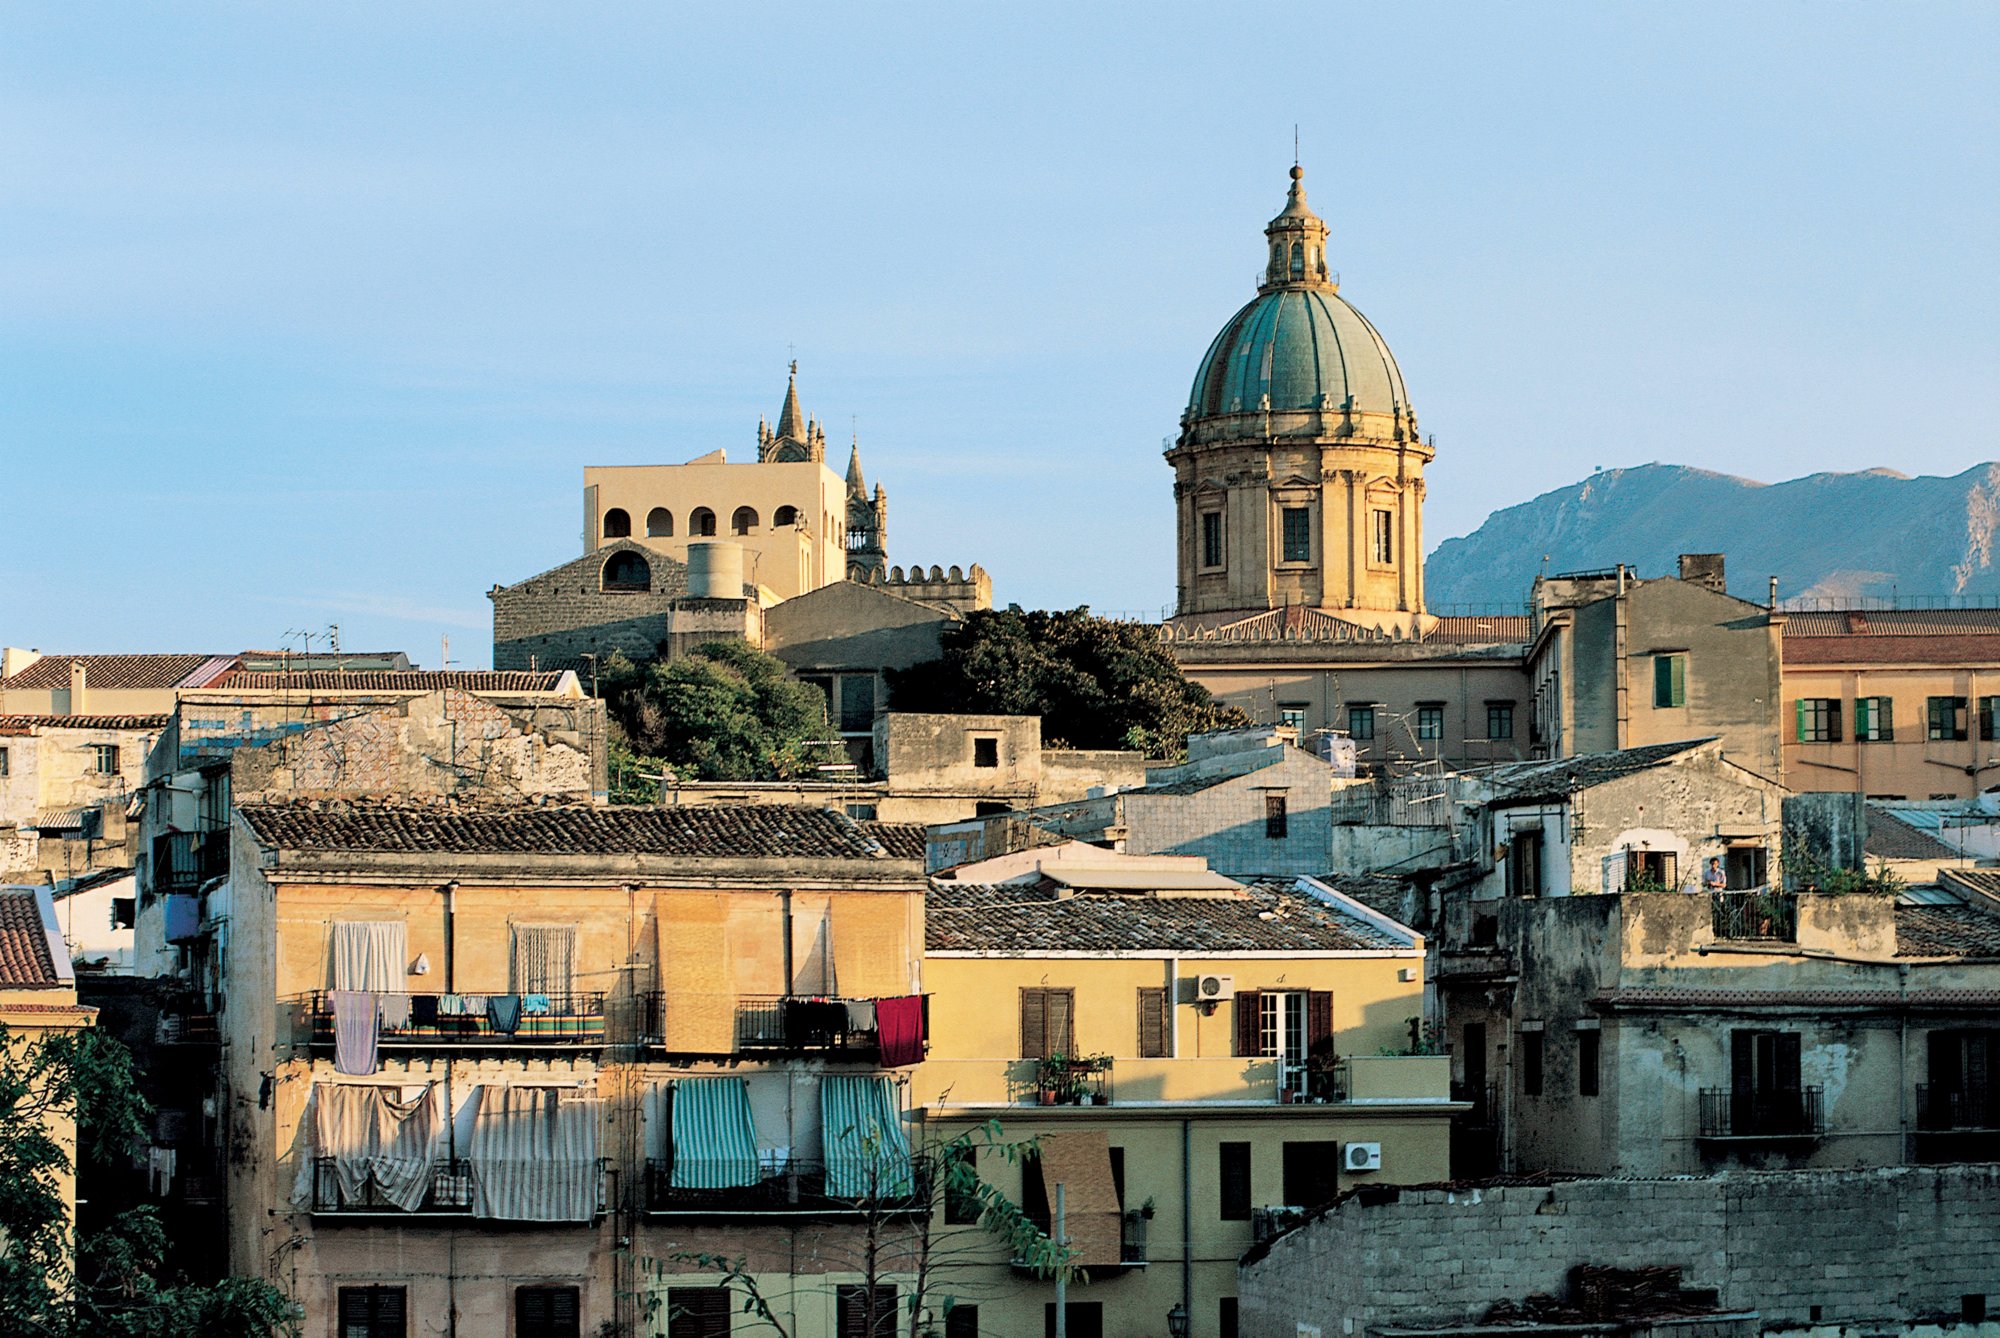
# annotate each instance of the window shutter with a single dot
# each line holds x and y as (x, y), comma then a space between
(1788, 1062)
(1679, 669)
(1062, 1022)
(1861, 717)
(1034, 1024)
(1153, 1040)
(1319, 1020)
(1663, 680)
(1249, 1026)
(1799, 711)
(1742, 1061)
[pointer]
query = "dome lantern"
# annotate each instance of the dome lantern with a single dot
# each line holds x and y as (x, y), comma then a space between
(1297, 238)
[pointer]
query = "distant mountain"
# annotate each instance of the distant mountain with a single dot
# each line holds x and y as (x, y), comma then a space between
(1831, 535)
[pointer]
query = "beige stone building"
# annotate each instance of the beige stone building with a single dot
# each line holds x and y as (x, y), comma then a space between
(67, 784)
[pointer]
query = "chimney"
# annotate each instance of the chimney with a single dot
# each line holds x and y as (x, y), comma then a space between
(1704, 569)
(13, 660)
(76, 687)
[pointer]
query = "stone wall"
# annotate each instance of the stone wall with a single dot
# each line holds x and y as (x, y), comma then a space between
(552, 620)
(1888, 1248)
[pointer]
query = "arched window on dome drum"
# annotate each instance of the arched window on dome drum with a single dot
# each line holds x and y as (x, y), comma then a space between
(785, 515)
(1298, 261)
(744, 521)
(660, 523)
(627, 573)
(617, 525)
(701, 523)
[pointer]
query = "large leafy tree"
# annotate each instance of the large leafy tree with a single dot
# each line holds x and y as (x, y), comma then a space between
(725, 712)
(1095, 683)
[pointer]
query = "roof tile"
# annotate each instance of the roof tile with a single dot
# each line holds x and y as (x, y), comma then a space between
(112, 673)
(393, 680)
(1025, 919)
(24, 943)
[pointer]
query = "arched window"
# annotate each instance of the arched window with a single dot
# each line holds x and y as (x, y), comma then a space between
(744, 521)
(701, 523)
(617, 525)
(627, 571)
(785, 515)
(660, 523)
(1298, 261)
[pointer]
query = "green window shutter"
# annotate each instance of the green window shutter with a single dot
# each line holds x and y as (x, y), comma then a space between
(1663, 680)
(1799, 709)
(1680, 676)
(1861, 714)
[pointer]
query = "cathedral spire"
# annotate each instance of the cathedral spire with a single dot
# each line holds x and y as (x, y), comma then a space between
(791, 422)
(1298, 243)
(856, 487)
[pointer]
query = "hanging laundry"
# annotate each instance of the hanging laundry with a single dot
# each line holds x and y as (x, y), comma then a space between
(503, 1013)
(535, 1005)
(395, 1011)
(900, 1024)
(423, 1010)
(861, 1015)
(355, 1017)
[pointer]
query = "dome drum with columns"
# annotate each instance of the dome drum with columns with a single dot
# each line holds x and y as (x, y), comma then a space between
(1299, 468)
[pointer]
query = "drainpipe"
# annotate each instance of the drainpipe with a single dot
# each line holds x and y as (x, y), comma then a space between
(1621, 628)
(1187, 1217)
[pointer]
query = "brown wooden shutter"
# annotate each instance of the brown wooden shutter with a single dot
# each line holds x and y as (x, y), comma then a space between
(1249, 1025)
(698, 1312)
(1034, 1024)
(1319, 1021)
(1062, 1022)
(1154, 1042)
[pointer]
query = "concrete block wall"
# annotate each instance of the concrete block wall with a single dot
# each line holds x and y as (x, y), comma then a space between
(1887, 1248)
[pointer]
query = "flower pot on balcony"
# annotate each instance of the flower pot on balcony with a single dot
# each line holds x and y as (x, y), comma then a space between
(1045, 1096)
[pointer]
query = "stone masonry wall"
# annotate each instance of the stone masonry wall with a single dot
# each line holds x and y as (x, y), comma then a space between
(1887, 1248)
(552, 620)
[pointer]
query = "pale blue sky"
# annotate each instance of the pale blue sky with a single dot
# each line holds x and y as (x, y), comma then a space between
(314, 313)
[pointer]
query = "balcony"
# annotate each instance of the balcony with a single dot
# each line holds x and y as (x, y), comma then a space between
(449, 1193)
(1971, 1108)
(1729, 1113)
(772, 1024)
(1755, 917)
(183, 861)
(475, 1021)
(793, 1187)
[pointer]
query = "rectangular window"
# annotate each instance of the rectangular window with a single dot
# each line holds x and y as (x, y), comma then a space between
(1081, 1319)
(961, 1203)
(1499, 720)
(1211, 538)
(1588, 1060)
(1818, 719)
(1047, 1022)
(1361, 722)
(1670, 680)
(106, 758)
(1298, 534)
(961, 1321)
(1311, 1173)
(698, 1312)
(1430, 720)
(1524, 864)
(1745, 868)
(857, 703)
(1874, 719)
(1989, 718)
(986, 752)
(865, 1312)
(1234, 1179)
(1531, 1063)
(373, 1312)
(1651, 870)
(1118, 1175)
(1946, 719)
(1292, 715)
(1225, 1317)
(1765, 1096)
(1276, 823)
(1155, 1023)
(1382, 550)
(548, 1312)
(3, 762)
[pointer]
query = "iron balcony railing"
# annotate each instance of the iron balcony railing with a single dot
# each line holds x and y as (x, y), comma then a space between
(1737, 1113)
(469, 1021)
(1771, 917)
(1972, 1106)
(1485, 1104)
(1132, 1239)
(448, 1194)
(183, 861)
(791, 1187)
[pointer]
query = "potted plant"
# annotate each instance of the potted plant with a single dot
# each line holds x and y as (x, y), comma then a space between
(1053, 1081)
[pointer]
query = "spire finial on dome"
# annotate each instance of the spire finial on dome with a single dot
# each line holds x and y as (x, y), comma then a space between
(791, 422)
(1297, 239)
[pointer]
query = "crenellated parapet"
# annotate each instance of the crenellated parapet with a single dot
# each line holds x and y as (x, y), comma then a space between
(966, 590)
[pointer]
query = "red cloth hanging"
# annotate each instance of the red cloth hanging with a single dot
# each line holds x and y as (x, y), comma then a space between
(899, 1023)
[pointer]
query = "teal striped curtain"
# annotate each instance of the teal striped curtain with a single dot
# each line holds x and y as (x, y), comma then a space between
(715, 1142)
(867, 1152)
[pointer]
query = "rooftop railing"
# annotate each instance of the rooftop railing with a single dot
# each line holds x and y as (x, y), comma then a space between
(1769, 917)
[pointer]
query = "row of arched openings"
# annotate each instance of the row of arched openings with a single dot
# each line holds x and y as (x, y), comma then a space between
(700, 522)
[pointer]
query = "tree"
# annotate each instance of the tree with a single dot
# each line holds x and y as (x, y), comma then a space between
(725, 712)
(1095, 683)
(112, 1287)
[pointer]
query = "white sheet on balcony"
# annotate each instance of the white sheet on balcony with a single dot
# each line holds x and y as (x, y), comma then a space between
(375, 1130)
(533, 1154)
(370, 955)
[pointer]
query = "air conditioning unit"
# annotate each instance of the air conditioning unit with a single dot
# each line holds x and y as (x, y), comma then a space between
(1361, 1157)
(1214, 989)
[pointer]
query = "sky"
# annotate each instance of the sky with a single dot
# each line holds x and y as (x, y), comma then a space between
(312, 315)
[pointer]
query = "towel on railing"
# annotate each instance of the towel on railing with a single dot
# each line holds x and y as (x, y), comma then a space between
(861, 1015)
(457, 1005)
(354, 1022)
(535, 1005)
(503, 1011)
(395, 1011)
(899, 1025)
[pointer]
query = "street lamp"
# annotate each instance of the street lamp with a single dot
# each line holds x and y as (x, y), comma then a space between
(1177, 1321)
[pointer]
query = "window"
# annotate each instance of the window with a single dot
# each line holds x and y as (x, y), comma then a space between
(1946, 718)
(1670, 680)
(1233, 1163)
(1499, 720)
(861, 812)
(961, 1321)
(3, 762)
(961, 1203)
(866, 1312)
(1361, 722)
(1989, 718)
(617, 524)
(1225, 1317)
(857, 703)
(1047, 1022)
(1531, 1063)
(1588, 1060)
(547, 1312)
(744, 521)
(784, 516)
(660, 523)
(1382, 529)
(698, 1312)
(701, 523)
(1961, 1092)
(989, 808)
(1430, 720)
(373, 1312)
(1156, 1039)
(1276, 822)
(1312, 1173)
(1118, 1175)
(1524, 864)
(1744, 868)
(1764, 1092)
(122, 913)
(1818, 719)
(105, 758)
(986, 752)
(1297, 534)
(1650, 870)
(1081, 1319)
(1211, 538)
(1874, 719)
(1035, 1193)
(627, 573)
(1292, 715)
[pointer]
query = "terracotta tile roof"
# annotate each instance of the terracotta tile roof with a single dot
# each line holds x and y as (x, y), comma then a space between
(721, 831)
(1982, 881)
(1677, 998)
(903, 840)
(28, 724)
(1953, 648)
(24, 943)
(1026, 919)
(1482, 629)
(1947, 931)
(1889, 837)
(114, 673)
(393, 680)
(1560, 776)
(1892, 622)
